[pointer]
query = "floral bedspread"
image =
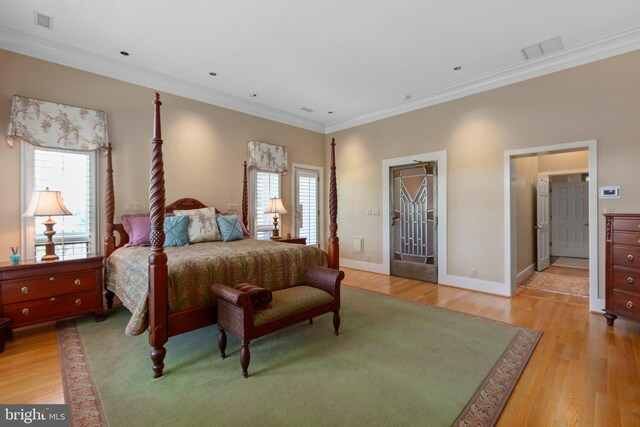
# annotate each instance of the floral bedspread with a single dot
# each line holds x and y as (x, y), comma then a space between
(193, 268)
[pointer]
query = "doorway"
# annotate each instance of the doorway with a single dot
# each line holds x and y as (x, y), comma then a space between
(573, 197)
(413, 203)
(307, 210)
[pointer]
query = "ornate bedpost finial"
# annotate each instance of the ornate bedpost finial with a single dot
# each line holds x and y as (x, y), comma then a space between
(157, 128)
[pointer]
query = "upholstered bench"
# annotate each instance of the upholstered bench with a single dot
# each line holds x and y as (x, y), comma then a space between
(319, 294)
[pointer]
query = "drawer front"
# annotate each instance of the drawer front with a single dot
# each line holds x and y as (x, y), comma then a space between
(49, 308)
(626, 304)
(626, 224)
(626, 256)
(626, 279)
(626, 238)
(47, 286)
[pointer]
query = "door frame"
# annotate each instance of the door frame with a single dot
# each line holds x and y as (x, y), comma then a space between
(294, 194)
(596, 303)
(387, 164)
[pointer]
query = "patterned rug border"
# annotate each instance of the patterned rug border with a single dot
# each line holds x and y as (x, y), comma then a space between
(484, 408)
(542, 273)
(80, 391)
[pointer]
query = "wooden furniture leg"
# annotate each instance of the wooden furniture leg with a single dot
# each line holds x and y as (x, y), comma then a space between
(610, 318)
(336, 321)
(222, 342)
(109, 297)
(245, 358)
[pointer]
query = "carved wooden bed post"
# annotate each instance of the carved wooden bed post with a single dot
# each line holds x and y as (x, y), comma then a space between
(245, 198)
(158, 296)
(334, 241)
(109, 207)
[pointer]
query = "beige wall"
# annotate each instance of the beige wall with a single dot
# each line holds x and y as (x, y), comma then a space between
(595, 101)
(204, 145)
(575, 160)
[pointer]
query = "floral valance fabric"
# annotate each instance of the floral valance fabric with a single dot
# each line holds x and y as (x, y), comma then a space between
(268, 157)
(52, 125)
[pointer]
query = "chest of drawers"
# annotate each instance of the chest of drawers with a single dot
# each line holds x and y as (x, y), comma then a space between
(35, 292)
(622, 267)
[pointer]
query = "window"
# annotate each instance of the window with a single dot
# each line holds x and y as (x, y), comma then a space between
(74, 174)
(265, 185)
(306, 221)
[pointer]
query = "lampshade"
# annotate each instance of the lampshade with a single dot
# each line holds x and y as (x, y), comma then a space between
(46, 203)
(275, 206)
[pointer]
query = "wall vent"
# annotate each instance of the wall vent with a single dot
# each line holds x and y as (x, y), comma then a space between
(43, 20)
(546, 47)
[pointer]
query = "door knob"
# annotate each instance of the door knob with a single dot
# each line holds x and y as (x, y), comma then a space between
(539, 227)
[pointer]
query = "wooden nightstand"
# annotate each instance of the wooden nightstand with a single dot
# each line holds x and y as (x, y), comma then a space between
(35, 292)
(297, 240)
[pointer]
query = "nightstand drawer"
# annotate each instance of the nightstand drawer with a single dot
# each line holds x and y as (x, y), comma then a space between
(47, 286)
(626, 256)
(49, 308)
(626, 304)
(626, 279)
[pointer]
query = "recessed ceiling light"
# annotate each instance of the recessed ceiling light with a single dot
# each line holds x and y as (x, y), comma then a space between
(124, 53)
(404, 98)
(43, 20)
(457, 68)
(213, 74)
(253, 95)
(330, 112)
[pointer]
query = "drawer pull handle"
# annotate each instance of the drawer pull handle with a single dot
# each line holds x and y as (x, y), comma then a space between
(629, 304)
(53, 299)
(78, 301)
(25, 311)
(24, 290)
(630, 280)
(630, 258)
(51, 279)
(77, 282)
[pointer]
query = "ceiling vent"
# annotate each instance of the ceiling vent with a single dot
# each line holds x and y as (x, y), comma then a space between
(307, 109)
(43, 20)
(544, 48)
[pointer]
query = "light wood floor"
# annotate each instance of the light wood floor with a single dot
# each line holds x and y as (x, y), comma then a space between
(582, 372)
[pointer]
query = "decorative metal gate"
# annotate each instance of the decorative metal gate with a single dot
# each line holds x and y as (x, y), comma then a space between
(414, 221)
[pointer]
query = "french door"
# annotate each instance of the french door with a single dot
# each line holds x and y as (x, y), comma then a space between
(306, 202)
(414, 221)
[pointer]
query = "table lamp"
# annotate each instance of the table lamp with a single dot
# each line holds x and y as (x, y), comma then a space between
(275, 207)
(47, 203)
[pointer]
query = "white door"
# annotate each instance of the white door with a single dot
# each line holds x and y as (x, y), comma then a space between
(307, 205)
(570, 219)
(543, 222)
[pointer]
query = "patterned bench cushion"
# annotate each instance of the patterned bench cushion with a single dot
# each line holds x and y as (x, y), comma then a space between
(289, 301)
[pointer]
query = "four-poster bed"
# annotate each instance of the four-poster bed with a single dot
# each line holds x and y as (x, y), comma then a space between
(157, 305)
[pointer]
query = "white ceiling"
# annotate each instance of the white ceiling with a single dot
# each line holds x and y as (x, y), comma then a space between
(357, 58)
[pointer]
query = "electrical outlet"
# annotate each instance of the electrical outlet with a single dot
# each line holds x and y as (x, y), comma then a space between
(472, 273)
(376, 212)
(232, 207)
(369, 212)
(133, 207)
(609, 210)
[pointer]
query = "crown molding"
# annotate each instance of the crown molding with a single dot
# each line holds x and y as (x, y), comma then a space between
(26, 44)
(604, 47)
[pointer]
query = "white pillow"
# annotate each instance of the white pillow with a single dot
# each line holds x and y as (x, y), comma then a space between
(202, 225)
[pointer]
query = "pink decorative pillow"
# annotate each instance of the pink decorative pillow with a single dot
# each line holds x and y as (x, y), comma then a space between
(245, 232)
(138, 227)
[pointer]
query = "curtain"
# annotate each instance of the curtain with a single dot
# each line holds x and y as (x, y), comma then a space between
(53, 125)
(268, 157)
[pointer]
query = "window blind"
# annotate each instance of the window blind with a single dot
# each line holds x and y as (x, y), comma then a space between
(267, 186)
(307, 215)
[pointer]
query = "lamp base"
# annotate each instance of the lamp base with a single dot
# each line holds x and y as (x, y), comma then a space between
(50, 247)
(276, 232)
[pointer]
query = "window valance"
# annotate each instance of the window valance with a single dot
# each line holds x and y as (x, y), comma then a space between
(268, 157)
(53, 125)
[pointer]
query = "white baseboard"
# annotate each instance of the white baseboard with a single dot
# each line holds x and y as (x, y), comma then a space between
(596, 305)
(525, 273)
(362, 265)
(486, 286)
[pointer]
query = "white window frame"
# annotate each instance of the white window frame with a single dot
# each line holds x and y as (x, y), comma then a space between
(294, 197)
(27, 224)
(253, 178)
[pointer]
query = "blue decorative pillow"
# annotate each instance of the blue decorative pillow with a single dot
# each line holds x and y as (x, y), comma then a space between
(175, 231)
(230, 228)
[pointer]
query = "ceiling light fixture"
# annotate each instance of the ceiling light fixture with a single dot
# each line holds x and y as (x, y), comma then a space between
(124, 53)
(213, 74)
(406, 97)
(457, 68)
(253, 95)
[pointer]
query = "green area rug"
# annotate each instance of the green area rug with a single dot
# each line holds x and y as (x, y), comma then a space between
(394, 363)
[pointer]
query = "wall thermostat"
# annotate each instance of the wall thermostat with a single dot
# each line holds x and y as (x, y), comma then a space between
(612, 192)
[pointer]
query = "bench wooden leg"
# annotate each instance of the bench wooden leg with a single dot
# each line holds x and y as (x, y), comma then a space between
(311, 321)
(222, 342)
(336, 321)
(245, 358)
